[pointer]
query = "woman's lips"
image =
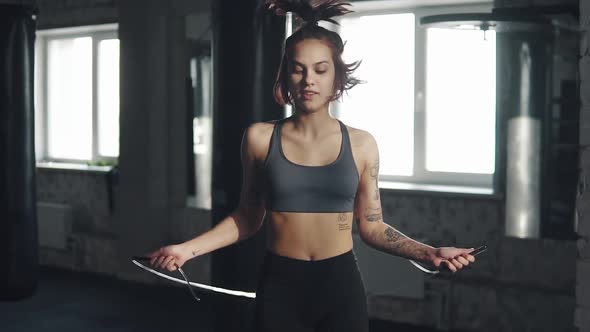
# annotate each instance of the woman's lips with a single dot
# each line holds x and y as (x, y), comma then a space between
(308, 95)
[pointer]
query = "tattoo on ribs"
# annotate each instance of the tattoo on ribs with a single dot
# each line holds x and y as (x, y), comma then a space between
(343, 224)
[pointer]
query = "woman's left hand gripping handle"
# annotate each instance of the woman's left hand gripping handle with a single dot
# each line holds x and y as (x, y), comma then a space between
(169, 257)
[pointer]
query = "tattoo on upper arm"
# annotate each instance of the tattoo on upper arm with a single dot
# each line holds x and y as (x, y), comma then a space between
(343, 224)
(373, 214)
(375, 175)
(375, 169)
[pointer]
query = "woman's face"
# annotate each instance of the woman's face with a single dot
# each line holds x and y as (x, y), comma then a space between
(311, 75)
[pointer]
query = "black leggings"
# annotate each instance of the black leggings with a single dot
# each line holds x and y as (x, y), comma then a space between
(303, 296)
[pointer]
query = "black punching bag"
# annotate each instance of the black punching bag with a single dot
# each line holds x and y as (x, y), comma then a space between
(246, 49)
(18, 217)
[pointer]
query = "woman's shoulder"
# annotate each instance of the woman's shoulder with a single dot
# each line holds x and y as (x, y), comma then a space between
(258, 130)
(360, 137)
(257, 136)
(363, 145)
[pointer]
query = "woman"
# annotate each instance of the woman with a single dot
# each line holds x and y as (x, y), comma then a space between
(313, 175)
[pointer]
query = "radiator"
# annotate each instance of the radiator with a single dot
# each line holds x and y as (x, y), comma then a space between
(54, 224)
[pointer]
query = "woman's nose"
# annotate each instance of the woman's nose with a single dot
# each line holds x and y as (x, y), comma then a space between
(309, 79)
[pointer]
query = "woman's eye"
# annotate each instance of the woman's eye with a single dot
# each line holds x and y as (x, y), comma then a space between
(320, 71)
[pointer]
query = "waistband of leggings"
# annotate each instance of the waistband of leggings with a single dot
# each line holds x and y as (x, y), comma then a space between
(344, 258)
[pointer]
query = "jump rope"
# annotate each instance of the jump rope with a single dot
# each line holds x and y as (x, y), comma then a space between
(137, 261)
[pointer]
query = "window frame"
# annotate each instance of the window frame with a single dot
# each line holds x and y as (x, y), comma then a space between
(423, 179)
(97, 33)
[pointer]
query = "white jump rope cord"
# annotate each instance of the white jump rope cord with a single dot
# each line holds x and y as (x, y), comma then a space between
(229, 291)
(194, 284)
(422, 268)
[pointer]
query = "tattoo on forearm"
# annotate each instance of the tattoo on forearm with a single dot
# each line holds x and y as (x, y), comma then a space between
(395, 242)
(373, 215)
(343, 224)
(375, 175)
(400, 245)
(392, 236)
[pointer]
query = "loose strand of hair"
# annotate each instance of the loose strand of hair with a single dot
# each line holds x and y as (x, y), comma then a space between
(310, 11)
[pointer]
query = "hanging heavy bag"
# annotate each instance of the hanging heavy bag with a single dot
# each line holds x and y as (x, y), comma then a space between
(18, 217)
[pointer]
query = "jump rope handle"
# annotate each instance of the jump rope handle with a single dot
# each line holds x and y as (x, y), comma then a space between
(444, 267)
(147, 259)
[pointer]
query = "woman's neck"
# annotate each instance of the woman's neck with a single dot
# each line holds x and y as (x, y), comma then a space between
(312, 124)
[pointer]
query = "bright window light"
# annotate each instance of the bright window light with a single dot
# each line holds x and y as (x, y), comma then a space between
(108, 97)
(69, 98)
(460, 101)
(384, 105)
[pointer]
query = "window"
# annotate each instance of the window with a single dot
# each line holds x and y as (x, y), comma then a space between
(429, 96)
(200, 160)
(77, 94)
(199, 110)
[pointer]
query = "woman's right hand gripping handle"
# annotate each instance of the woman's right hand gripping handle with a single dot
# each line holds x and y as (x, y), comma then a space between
(172, 257)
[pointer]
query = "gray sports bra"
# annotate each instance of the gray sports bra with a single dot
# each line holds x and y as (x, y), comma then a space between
(291, 187)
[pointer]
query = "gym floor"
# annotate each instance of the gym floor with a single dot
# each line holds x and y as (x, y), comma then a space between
(82, 302)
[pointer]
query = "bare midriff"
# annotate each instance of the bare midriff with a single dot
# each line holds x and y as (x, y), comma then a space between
(309, 236)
